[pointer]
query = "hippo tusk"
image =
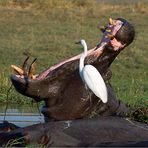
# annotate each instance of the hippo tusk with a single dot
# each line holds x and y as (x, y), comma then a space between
(112, 22)
(108, 30)
(24, 66)
(21, 71)
(110, 36)
(32, 69)
(17, 70)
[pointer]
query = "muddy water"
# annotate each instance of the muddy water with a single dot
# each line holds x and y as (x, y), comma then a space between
(21, 115)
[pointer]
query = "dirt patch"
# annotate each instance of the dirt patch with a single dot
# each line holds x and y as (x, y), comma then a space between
(19, 5)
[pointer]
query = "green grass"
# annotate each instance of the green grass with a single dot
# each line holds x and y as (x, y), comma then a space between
(48, 29)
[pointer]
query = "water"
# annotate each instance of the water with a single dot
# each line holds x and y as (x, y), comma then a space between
(21, 115)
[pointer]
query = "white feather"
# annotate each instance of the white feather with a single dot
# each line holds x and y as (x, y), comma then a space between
(91, 76)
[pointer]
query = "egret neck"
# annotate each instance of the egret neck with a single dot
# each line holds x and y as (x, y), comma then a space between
(84, 54)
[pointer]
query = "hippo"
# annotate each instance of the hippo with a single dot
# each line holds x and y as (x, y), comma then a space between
(61, 87)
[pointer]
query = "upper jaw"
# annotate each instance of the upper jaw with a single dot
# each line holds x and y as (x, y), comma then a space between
(107, 42)
(109, 34)
(22, 72)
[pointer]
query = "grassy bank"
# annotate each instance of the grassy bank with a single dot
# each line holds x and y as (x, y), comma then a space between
(48, 29)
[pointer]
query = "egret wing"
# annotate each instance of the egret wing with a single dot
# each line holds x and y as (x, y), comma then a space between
(95, 82)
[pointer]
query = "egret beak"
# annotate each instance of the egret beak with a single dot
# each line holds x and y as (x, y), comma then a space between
(32, 69)
(78, 42)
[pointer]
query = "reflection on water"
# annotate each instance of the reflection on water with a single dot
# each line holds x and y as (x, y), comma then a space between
(21, 115)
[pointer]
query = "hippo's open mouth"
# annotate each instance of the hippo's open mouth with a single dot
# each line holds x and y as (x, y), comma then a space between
(108, 39)
(53, 81)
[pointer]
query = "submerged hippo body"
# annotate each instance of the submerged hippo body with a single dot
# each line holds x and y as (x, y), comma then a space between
(105, 131)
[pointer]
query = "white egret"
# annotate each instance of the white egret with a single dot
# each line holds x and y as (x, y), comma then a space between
(91, 76)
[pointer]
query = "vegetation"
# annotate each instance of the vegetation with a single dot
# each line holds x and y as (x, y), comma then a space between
(139, 114)
(47, 29)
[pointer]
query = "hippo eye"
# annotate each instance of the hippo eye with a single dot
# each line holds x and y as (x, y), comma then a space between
(119, 40)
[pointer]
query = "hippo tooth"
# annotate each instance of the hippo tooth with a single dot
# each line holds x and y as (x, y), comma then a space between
(17, 70)
(110, 36)
(108, 30)
(32, 69)
(112, 22)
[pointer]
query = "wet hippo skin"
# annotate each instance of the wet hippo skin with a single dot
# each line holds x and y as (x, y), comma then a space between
(105, 131)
